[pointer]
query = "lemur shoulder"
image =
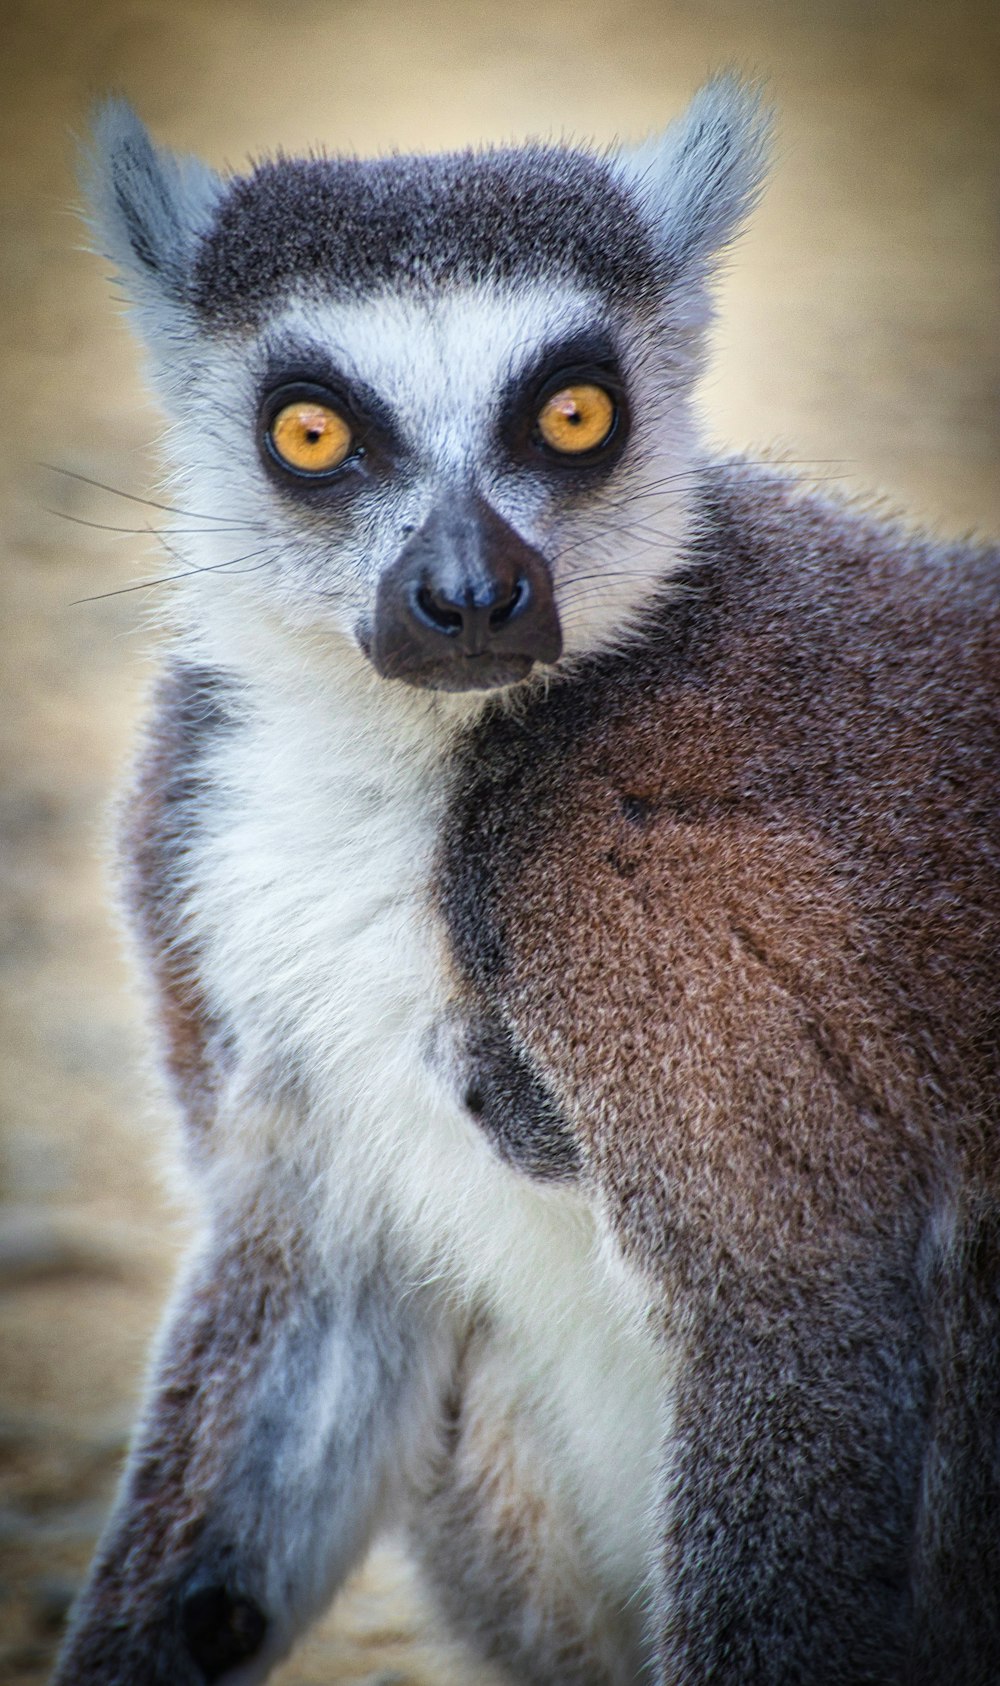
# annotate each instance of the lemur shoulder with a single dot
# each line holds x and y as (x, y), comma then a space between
(566, 868)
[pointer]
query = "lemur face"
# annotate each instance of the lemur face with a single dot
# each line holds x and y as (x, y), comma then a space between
(465, 486)
(434, 410)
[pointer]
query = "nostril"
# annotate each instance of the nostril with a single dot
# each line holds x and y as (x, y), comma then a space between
(506, 611)
(439, 615)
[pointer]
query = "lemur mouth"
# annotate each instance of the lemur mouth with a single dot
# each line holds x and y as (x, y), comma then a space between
(485, 672)
(466, 606)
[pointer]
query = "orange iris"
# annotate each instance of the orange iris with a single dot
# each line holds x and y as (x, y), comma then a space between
(577, 419)
(310, 436)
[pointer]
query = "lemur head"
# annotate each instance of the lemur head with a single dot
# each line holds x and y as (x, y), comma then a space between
(436, 407)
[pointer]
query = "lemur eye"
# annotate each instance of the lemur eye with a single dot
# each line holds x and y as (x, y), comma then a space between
(310, 437)
(577, 418)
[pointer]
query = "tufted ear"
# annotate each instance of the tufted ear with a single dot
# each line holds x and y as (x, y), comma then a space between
(699, 180)
(148, 206)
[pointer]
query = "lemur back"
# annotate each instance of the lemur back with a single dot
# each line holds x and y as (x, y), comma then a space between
(566, 869)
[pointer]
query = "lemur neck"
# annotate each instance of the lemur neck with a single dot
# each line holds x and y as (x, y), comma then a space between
(312, 686)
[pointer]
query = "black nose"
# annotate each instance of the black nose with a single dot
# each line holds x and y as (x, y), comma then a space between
(466, 605)
(473, 619)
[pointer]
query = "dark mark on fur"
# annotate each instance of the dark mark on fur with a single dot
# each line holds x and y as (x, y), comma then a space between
(345, 227)
(192, 706)
(221, 1629)
(515, 1107)
(863, 1101)
(638, 810)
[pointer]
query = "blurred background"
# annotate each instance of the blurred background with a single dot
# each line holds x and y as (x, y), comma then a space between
(858, 332)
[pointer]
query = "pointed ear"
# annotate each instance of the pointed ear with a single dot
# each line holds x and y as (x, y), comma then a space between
(698, 181)
(148, 206)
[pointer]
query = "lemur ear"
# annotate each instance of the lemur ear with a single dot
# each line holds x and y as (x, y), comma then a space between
(699, 180)
(148, 206)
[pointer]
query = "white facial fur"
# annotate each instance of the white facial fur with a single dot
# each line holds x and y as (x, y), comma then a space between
(442, 367)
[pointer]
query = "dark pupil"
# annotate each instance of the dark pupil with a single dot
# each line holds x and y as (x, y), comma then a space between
(314, 434)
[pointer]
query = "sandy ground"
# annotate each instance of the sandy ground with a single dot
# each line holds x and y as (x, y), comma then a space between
(859, 330)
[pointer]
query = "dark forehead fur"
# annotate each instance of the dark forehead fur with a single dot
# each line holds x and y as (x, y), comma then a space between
(350, 227)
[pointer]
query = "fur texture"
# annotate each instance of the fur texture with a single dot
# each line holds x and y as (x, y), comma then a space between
(592, 1085)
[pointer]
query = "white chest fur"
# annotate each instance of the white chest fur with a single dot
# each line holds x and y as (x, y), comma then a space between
(310, 893)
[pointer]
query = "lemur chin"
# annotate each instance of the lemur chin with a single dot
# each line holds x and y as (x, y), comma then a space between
(566, 868)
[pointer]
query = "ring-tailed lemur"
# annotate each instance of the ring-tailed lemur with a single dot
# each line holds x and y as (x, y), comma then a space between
(567, 870)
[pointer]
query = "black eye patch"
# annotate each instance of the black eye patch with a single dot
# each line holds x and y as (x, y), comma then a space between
(308, 370)
(585, 361)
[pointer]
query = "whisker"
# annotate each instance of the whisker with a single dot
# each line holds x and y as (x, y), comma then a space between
(642, 527)
(602, 530)
(599, 594)
(171, 550)
(596, 537)
(103, 486)
(600, 535)
(140, 532)
(599, 587)
(188, 573)
(605, 576)
(697, 471)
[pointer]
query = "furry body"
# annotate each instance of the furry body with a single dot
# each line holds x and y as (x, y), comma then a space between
(593, 1089)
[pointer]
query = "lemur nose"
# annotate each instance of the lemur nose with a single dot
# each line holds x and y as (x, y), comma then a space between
(472, 619)
(467, 605)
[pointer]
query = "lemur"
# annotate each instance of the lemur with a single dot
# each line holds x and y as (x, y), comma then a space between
(566, 869)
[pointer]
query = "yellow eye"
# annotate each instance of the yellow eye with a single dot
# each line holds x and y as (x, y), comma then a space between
(311, 437)
(577, 418)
